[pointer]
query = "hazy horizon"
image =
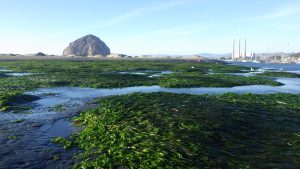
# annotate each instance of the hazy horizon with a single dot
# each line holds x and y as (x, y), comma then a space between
(171, 27)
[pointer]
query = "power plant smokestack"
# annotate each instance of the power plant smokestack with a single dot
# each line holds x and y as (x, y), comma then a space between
(241, 54)
(233, 50)
(239, 48)
(245, 52)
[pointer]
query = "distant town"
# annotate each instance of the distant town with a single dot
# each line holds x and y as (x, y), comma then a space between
(239, 54)
(278, 57)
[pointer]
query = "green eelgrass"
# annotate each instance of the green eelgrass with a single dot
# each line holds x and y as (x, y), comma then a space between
(163, 130)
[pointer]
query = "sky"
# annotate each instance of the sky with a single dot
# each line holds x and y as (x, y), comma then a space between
(137, 27)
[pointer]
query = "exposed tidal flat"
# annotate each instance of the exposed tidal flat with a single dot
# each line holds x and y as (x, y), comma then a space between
(139, 123)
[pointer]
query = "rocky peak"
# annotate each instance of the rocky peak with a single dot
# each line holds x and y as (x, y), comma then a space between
(88, 45)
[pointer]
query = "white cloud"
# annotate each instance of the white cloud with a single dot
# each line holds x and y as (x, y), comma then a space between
(181, 31)
(285, 11)
(165, 5)
(169, 40)
(285, 27)
(144, 10)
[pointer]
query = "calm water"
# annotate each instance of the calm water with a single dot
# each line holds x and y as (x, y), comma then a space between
(21, 74)
(283, 67)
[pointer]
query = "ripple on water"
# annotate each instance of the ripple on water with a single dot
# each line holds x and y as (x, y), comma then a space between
(60, 128)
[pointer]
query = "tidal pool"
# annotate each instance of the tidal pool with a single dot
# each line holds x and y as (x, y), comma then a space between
(151, 73)
(12, 73)
(4, 69)
(21, 74)
(75, 97)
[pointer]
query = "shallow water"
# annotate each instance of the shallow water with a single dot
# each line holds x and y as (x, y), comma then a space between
(153, 73)
(5, 70)
(295, 71)
(245, 74)
(269, 66)
(292, 85)
(74, 97)
(60, 128)
(21, 74)
(18, 74)
(32, 147)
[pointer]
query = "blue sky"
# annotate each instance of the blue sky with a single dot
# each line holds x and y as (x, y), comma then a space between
(150, 26)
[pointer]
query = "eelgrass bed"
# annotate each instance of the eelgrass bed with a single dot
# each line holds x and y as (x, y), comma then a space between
(106, 74)
(162, 130)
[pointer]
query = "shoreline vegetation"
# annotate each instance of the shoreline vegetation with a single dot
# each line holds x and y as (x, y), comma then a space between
(106, 74)
(280, 74)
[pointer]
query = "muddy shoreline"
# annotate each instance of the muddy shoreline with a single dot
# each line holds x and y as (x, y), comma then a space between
(27, 144)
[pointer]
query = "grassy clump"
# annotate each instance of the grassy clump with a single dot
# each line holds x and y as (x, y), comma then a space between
(95, 80)
(12, 137)
(212, 80)
(2, 75)
(18, 121)
(161, 130)
(14, 100)
(63, 141)
(280, 74)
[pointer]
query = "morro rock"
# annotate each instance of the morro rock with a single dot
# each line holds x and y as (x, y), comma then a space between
(89, 45)
(40, 54)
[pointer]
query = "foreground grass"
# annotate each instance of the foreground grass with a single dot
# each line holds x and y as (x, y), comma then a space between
(161, 130)
(280, 74)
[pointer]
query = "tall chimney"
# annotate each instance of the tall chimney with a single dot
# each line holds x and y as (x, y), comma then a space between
(233, 50)
(239, 48)
(245, 52)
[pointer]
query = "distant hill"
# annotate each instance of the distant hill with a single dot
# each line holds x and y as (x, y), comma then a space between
(214, 56)
(40, 54)
(297, 55)
(204, 55)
